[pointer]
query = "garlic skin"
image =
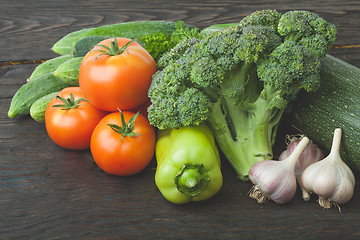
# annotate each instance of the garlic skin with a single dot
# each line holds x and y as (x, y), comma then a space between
(331, 179)
(276, 179)
(309, 155)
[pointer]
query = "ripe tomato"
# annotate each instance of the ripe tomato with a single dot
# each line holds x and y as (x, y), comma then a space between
(112, 81)
(70, 119)
(120, 150)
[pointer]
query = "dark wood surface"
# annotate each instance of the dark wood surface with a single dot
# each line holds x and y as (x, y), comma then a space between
(50, 193)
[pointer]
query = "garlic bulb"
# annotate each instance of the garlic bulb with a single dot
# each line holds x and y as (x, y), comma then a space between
(276, 179)
(331, 179)
(309, 155)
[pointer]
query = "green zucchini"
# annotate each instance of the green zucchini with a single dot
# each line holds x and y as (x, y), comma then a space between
(335, 105)
(32, 91)
(48, 66)
(69, 71)
(126, 29)
(84, 45)
(37, 109)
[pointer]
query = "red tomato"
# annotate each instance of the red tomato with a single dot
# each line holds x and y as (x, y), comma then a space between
(117, 153)
(71, 128)
(118, 81)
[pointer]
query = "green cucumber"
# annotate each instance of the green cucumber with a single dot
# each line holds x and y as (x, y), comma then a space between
(69, 71)
(48, 66)
(32, 91)
(126, 29)
(335, 105)
(37, 109)
(84, 45)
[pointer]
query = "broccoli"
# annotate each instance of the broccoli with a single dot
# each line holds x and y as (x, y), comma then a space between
(159, 43)
(240, 80)
(309, 30)
(156, 44)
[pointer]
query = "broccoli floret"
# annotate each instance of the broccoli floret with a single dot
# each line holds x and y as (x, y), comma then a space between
(239, 81)
(257, 42)
(157, 44)
(308, 29)
(290, 67)
(265, 17)
(177, 51)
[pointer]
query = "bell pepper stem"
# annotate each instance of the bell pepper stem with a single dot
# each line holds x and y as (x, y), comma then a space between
(191, 179)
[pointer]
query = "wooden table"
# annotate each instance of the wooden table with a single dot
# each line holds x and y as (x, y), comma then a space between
(47, 192)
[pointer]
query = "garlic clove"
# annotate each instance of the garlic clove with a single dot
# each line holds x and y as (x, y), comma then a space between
(344, 192)
(345, 188)
(269, 177)
(331, 179)
(309, 155)
(317, 179)
(285, 190)
(276, 179)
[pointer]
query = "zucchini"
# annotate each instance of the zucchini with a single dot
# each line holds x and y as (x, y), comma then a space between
(335, 105)
(48, 66)
(32, 91)
(69, 71)
(126, 29)
(37, 109)
(84, 45)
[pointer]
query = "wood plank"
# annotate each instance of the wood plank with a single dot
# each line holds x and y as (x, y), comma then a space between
(32, 30)
(62, 193)
(55, 193)
(47, 192)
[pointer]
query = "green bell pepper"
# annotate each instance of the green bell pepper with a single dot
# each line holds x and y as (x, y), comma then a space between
(188, 164)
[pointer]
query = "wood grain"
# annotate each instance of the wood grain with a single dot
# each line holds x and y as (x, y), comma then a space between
(47, 192)
(33, 29)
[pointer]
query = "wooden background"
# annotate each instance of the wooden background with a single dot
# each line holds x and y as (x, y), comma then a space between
(50, 193)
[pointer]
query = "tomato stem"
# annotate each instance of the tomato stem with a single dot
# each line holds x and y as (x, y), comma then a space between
(126, 129)
(69, 103)
(114, 49)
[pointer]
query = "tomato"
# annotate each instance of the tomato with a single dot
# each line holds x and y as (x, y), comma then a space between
(123, 146)
(115, 80)
(70, 119)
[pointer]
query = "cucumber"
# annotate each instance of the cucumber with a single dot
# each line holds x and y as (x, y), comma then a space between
(126, 29)
(37, 109)
(32, 91)
(335, 105)
(69, 71)
(84, 45)
(49, 66)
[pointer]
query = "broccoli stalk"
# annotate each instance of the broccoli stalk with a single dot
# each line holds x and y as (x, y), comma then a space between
(240, 81)
(246, 134)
